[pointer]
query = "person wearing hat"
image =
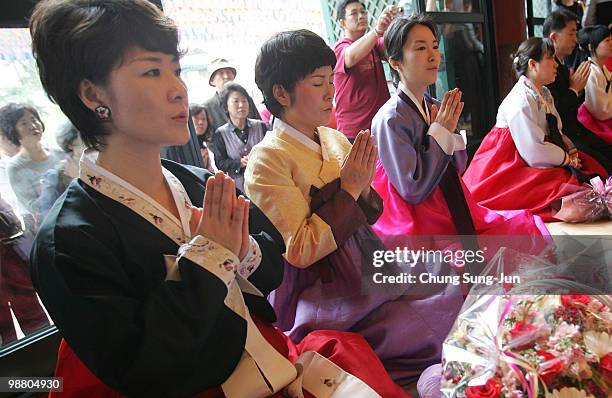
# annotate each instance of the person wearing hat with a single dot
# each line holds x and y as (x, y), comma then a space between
(221, 71)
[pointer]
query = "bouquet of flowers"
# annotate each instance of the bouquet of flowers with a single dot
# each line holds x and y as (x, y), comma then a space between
(509, 342)
(588, 203)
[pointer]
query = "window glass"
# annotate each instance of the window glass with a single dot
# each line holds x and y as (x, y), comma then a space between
(27, 188)
(452, 6)
(541, 8)
(462, 48)
(234, 30)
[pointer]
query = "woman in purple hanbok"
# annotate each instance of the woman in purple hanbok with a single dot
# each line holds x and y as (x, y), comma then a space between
(422, 155)
(315, 188)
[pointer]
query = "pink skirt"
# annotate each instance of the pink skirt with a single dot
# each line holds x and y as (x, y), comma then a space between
(602, 128)
(432, 216)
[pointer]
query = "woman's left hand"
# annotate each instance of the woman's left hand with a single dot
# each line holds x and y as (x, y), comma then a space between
(196, 217)
(450, 110)
(365, 194)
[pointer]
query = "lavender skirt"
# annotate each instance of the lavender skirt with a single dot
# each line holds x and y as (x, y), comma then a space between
(405, 330)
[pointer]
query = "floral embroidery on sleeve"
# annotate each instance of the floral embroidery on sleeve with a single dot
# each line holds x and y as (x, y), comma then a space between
(95, 181)
(251, 261)
(156, 219)
(211, 256)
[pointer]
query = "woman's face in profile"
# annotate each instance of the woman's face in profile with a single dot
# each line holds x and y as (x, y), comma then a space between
(604, 48)
(311, 103)
(29, 128)
(546, 70)
(148, 99)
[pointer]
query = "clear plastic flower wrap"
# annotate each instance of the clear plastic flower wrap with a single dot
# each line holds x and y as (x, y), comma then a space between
(548, 333)
(588, 203)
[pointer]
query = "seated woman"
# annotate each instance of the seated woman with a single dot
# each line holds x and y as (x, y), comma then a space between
(21, 124)
(233, 141)
(596, 112)
(525, 161)
(204, 134)
(315, 188)
(421, 153)
(153, 294)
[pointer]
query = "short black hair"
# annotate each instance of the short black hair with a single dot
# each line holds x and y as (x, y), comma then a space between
(534, 48)
(66, 136)
(228, 89)
(397, 34)
(194, 109)
(556, 21)
(341, 9)
(592, 36)
(74, 40)
(287, 58)
(10, 115)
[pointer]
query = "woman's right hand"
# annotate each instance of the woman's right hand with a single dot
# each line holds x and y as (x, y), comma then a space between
(223, 215)
(450, 110)
(357, 168)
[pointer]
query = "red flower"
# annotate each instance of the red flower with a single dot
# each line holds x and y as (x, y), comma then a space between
(570, 315)
(605, 365)
(550, 367)
(525, 332)
(573, 300)
(491, 389)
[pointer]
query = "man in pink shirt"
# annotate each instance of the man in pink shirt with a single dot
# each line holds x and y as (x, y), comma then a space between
(361, 86)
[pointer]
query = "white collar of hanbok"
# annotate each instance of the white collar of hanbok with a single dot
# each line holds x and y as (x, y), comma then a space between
(300, 137)
(113, 186)
(262, 370)
(543, 96)
(419, 104)
(258, 353)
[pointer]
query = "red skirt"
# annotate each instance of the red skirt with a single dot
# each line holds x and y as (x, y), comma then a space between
(500, 179)
(602, 128)
(350, 351)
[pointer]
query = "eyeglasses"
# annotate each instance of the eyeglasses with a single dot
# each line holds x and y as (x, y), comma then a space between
(355, 13)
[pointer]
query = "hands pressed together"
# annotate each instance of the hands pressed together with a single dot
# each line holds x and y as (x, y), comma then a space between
(573, 159)
(359, 166)
(450, 110)
(579, 77)
(224, 218)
